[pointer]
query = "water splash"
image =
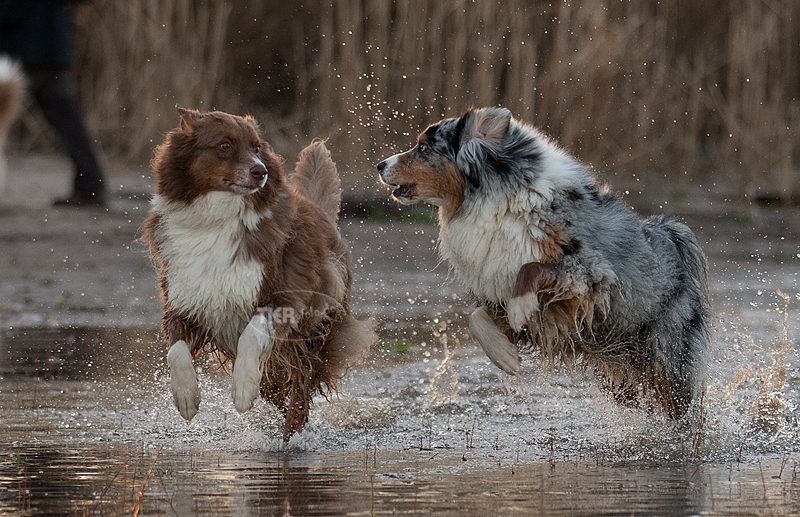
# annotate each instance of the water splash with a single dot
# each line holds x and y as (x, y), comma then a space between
(770, 410)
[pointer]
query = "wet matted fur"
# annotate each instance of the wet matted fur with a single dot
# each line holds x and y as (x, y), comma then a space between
(558, 264)
(251, 265)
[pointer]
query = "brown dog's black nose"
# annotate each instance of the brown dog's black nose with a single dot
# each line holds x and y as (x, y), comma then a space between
(381, 166)
(258, 171)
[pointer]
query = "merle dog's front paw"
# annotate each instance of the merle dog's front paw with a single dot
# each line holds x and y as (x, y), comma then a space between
(521, 308)
(495, 344)
(246, 380)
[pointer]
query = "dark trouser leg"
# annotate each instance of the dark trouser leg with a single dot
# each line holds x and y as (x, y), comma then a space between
(56, 93)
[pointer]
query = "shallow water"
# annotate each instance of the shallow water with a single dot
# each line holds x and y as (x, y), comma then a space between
(426, 426)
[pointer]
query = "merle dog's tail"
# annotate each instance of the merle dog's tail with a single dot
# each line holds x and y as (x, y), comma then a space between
(315, 176)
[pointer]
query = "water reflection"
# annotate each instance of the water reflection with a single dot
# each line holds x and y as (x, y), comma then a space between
(110, 481)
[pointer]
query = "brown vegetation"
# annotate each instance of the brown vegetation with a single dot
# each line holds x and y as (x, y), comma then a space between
(683, 86)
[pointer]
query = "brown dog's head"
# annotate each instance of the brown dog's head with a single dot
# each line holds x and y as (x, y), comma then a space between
(213, 151)
(447, 160)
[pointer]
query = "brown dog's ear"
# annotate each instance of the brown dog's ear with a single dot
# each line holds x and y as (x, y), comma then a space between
(188, 117)
(252, 120)
(273, 162)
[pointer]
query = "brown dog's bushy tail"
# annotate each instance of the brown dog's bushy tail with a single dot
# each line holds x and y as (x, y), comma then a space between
(315, 176)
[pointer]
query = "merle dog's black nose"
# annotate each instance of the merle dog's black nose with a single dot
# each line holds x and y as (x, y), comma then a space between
(381, 166)
(258, 171)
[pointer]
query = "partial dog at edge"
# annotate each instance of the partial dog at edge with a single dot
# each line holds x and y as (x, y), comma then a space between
(12, 91)
(559, 265)
(251, 266)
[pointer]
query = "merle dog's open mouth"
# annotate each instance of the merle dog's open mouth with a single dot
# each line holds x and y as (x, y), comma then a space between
(404, 190)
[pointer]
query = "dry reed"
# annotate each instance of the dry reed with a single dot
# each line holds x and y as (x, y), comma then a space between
(676, 86)
(139, 59)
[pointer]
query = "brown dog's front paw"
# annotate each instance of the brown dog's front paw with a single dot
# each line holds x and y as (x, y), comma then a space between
(253, 349)
(183, 380)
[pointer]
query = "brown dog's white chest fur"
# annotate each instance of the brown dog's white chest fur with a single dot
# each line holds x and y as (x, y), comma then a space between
(209, 279)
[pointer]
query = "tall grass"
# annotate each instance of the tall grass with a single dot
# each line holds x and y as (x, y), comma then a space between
(681, 87)
(138, 59)
(675, 85)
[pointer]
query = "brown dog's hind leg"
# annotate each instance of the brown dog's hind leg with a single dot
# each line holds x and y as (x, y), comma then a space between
(299, 406)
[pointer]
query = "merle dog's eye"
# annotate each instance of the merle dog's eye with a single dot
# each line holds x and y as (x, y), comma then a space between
(421, 148)
(225, 146)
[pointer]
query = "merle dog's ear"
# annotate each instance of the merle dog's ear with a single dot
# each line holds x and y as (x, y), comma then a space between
(188, 117)
(483, 133)
(489, 125)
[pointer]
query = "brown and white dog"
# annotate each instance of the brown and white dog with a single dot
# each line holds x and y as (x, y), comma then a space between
(558, 265)
(251, 266)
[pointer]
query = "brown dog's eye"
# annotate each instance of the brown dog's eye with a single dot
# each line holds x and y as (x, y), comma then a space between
(225, 146)
(257, 148)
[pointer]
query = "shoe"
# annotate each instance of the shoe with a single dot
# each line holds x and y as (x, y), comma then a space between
(82, 200)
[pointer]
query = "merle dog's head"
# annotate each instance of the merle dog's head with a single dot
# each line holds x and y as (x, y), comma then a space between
(450, 157)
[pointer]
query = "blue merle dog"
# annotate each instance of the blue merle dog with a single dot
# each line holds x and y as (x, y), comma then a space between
(561, 267)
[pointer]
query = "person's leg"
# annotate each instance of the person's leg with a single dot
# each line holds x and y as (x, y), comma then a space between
(56, 94)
